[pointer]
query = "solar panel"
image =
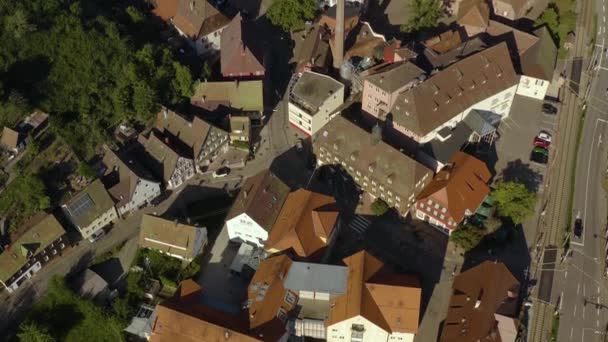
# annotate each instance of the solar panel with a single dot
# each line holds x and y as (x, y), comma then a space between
(81, 205)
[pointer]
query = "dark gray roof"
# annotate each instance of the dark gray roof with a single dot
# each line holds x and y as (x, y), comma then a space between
(305, 276)
(482, 122)
(395, 75)
(442, 151)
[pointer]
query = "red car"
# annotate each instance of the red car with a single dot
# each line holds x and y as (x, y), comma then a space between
(538, 142)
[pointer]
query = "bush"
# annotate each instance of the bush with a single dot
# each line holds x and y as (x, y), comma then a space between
(379, 207)
(468, 236)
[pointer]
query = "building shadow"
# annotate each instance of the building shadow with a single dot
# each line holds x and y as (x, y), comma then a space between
(191, 194)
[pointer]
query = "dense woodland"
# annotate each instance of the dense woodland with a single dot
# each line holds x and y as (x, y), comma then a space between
(90, 63)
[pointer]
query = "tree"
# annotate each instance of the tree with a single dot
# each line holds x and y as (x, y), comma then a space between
(379, 207)
(31, 332)
(514, 201)
(468, 236)
(550, 17)
(425, 15)
(205, 72)
(290, 15)
(18, 24)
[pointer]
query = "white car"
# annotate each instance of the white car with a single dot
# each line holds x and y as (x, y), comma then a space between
(545, 136)
(97, 235)
(221, 172)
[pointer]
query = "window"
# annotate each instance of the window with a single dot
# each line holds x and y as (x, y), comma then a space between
(442, 216)
(443, 210)
(430, 202)
(436, 205)
(435, 212)
(282, 314)
(290, 298)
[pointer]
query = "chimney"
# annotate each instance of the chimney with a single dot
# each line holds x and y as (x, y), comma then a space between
(339, 37)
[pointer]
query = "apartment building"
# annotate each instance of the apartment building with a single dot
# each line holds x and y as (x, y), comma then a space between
(181, 241)
(306, 224)
(91, 210)
(313, 100)
(538, 65)
(455, 193)
(39, 240)
(483, 305)
(376, 167)
(378, 306)
(380, 90)
(484, 81)
(256, 208)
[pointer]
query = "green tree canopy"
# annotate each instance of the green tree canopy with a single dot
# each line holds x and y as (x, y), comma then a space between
(425, 14)
(468, 236)
(514, 201)
(290, 15)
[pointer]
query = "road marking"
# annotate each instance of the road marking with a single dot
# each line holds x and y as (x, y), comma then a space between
(571, 332)
(584, 292)
(574, 311)
(598, 290)
(597, 323)
(599, 141)
(578, 289)
(584, 309)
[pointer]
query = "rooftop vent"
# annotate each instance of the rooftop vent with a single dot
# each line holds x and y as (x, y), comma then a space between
(485, 60)
(459, 73)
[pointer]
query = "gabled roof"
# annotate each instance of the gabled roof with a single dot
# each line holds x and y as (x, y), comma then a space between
(184, 319)
(461, 185)
(449, 92)
(164, 155)
(389, 300)
(241, 95)
(305, 223)
(444, 41)
(169, 236)
(86, 206)
(518, 6)
(395, 75)
(518, 41)
(267, 296)
(165, 9)
(36, 234)
(261, 198)
(197, 18)
(10, 138)
(473, 13)
(539, 60)
(192, 133)
(478, 294)
(449, 57)
(241, 49)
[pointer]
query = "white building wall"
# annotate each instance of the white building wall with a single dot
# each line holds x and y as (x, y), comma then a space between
(145, 191)
(243, 228)
(341, 332)
(535, 88)
(102, 221)
(310, 124)
(209, 43)
(500, 103)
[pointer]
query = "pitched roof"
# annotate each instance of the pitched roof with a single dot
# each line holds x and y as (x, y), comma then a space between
(305, 223)
(197, 18)
(389, 300)
(359, 149)
(266, 294)
(473, 13)
(242, 95)
(165, 156)
(366, 42)
(309, 47)
(518, 6)
(165, 9)
(184, 319)
(478, 294)
(169, 236)
(37, 234)
(261, 198)
(461, 185)
(449, 92)
(10, 138)
(86, 206)
(539, 60)
(395, 75)
(191, 133)
(517, 41)
(467, 48)
(241, 49)
(444, 41)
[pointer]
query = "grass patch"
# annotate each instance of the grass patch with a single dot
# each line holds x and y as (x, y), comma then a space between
(554, 328)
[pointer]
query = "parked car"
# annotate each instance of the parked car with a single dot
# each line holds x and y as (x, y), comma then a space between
(221, 172)
(578, 226)
(97, 235)
(549, 109)
(538, 142)
(545, 136)
(540, 158)
(541, 150)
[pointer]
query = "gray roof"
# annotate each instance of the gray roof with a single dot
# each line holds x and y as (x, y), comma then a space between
(311, 90)
(395, 75)
(482, 122)
(85, 207)
(305, 276)
(442, 151)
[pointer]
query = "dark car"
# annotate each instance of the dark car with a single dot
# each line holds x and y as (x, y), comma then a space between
(578, 227)
(540, 158)
(549, 109)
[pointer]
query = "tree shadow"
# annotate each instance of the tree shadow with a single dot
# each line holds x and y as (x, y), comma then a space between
(517, 171)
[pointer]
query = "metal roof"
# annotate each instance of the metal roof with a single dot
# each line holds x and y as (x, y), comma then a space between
(305, 276)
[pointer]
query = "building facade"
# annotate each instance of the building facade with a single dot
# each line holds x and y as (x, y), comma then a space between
(313, 100)
(174, 239)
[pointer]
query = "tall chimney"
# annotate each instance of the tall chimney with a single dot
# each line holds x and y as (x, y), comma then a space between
(339, 37)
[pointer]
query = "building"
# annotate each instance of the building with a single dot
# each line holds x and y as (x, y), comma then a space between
(185, 318)
(169, 237)
(12, 141)
(378, 306)
(510, 9)
(269, 303)
(36, 243)
(455, 193)
(91, 285)
(381, 89)
(129, 185)
(256, 208)
(192, 137)
(483, 305)
(311, 49)
(140, 326)
(485, 81)
(201, 22)
(351, 17)
(377, 168)
(244, 96)
(538, 65)
(167, 164)
(313, 99)
(91, 210)
(242, 51)
(240, 129)
(306, 224)
(473, 15)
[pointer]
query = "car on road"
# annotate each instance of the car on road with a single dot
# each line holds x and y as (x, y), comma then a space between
(541, 143)
(541, 150)
(578, 226)
(97, 235)
(540, 158)
(221, 172)
(545, 136)
(549, 108)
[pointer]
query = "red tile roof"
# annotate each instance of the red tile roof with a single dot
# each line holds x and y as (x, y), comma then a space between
(240, 50)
